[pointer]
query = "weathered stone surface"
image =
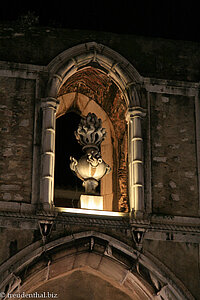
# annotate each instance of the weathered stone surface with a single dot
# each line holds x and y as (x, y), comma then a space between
(181, 259)
(175, 197)
(172, 184)
(9, 237)
(160, 159)
(16, 135)
(165, 99)
(7, 196)
(174, 161)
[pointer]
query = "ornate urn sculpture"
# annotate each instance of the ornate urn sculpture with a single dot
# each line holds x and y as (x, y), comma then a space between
(90, 168)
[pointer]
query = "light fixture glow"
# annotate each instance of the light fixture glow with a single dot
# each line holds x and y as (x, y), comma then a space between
(91, 202)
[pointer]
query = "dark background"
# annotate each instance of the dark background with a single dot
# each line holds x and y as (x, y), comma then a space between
(168, 19)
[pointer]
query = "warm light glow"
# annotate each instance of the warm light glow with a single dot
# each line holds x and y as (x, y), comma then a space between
(91, 202)
(91, 212)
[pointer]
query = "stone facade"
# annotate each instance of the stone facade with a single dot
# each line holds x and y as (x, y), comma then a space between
(174, 159)
(17, 115)
(142, 252)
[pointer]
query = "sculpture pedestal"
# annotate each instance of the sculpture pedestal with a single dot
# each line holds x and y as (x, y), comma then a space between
(91, 202)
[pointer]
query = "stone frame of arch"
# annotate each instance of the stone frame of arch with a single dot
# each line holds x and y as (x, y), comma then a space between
(128, 81)
(139, 274)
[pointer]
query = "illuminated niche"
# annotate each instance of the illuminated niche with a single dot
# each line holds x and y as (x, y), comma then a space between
(91, 91)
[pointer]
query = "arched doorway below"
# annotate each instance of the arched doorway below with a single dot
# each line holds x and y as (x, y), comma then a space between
(89, 263)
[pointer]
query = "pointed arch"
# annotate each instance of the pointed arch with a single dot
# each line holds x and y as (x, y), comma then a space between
(138, 275)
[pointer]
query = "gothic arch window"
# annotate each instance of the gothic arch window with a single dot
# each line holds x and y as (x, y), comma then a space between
(112, 87)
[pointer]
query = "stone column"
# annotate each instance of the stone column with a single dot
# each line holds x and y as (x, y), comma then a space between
(49, 106)
(135, 161)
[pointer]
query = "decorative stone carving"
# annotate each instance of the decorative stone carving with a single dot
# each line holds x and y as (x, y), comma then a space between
(90, 131)
(90, 168)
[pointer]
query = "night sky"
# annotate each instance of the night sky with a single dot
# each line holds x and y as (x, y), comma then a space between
(168, 19)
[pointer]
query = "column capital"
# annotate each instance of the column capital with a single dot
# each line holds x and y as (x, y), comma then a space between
(49, 102)
(135, 111)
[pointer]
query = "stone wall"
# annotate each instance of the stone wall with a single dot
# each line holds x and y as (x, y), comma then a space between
(181, 258)
(16, 136)
(174, 163)
(14, 240)
(151, 57)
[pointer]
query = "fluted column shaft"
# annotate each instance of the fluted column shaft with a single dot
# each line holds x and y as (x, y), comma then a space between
(135, 161)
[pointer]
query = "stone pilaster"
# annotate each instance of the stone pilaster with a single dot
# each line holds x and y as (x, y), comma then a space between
(49, 107)
(135, 161)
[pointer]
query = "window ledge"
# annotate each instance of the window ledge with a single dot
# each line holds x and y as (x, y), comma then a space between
(91, 212)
